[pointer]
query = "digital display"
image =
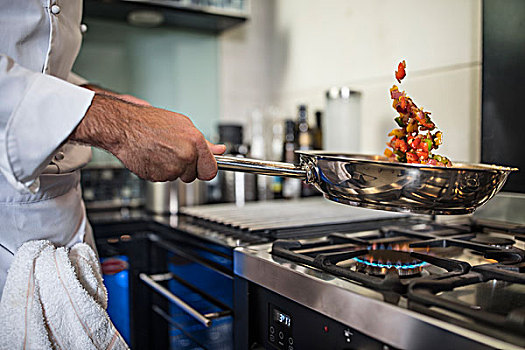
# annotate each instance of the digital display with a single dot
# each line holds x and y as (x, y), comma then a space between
(282, 318)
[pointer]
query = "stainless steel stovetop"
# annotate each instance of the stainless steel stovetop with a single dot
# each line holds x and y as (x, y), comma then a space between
(259, 222)
(449, 283)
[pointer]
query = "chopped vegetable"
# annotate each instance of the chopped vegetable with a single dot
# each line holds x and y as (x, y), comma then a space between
(408, 144)
(400, 73)
(397, 132)
(411, 158)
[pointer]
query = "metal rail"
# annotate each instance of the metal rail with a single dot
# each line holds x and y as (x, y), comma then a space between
(205, 319)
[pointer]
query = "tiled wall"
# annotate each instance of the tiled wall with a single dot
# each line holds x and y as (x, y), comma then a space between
(292, 51)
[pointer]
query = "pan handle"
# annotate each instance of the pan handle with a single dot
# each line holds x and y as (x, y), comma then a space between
(261, 167)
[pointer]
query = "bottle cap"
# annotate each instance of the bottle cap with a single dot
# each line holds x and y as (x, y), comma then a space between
(230, 133)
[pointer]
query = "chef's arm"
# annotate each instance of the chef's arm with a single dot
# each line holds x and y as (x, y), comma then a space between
(125, 97)
(155, 144)
(83, 82)
(37, 114)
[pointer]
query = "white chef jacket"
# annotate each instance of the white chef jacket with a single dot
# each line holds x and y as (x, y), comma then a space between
(40, 194)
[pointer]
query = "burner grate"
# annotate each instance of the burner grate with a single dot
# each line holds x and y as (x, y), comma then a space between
(496, 300)
(389, 281)
(506, 254)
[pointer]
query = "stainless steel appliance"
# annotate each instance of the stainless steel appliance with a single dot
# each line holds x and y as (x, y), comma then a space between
(181, 284)
(418, 283)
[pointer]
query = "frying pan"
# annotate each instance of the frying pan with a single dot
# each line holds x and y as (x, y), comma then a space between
(374, 182)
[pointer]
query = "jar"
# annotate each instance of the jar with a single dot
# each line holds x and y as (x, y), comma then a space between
(342, 125)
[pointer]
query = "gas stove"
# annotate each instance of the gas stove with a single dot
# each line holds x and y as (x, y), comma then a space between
(409, 284)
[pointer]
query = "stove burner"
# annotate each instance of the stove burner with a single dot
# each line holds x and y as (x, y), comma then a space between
(379, 262)
(495, 241)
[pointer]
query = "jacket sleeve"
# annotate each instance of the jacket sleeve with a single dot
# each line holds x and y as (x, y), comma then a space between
(37, 114)
(76, 79)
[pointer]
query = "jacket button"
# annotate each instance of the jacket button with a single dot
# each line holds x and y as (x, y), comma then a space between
(83, 28)
(55, 9)
(59, 156)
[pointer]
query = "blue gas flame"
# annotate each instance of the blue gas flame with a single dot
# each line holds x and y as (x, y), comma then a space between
(389, 266)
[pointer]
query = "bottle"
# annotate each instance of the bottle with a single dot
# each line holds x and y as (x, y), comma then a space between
(291, 188)
(258, 151)
(304, 133)
(317, 131)
(236, 187)
(304, 143)
(276, 154)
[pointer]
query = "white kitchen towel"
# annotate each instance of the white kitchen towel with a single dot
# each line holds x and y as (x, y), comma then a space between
(54, 298)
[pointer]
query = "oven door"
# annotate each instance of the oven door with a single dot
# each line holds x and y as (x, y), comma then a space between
(197, 291)
(180, 290)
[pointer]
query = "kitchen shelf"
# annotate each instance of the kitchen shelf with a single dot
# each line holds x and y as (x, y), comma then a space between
(174, 13)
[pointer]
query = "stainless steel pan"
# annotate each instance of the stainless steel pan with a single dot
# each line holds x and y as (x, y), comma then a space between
(377, 183)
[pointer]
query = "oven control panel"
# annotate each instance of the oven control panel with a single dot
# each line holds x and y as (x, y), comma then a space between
(280, 328)
(277, 323)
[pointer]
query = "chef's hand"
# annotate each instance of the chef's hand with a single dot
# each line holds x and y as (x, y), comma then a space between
(155, 144)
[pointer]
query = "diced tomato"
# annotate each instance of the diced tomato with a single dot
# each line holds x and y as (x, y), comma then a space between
(422, 154)
(403, 102)
(401, 145)
(428, 126)
(423, 146)
(416, 142)
(400, 73)
(411, 158)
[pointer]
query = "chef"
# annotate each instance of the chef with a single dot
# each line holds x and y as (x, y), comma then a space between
(46, 121)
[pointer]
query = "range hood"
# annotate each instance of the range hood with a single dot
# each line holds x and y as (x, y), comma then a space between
(207, 15)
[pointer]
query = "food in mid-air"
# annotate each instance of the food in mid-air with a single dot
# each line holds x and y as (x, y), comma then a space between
(413, 141)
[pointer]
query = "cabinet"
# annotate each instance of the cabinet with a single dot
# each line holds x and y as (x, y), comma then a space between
(206, 15)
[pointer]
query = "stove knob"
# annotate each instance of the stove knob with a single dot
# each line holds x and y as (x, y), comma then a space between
(348, 335)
